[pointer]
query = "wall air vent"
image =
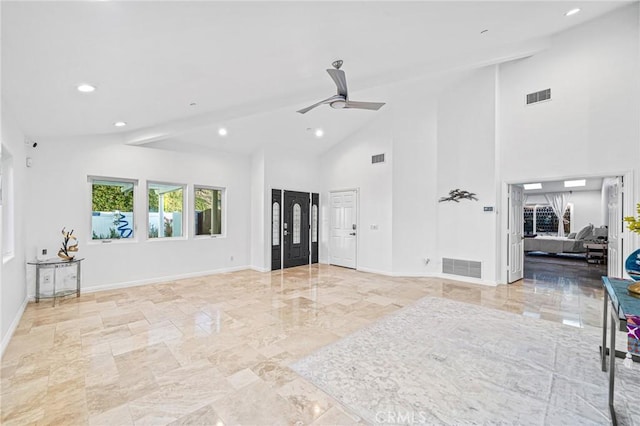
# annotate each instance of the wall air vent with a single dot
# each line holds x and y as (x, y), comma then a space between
(543, 95)
(465, 268)
(377, 158)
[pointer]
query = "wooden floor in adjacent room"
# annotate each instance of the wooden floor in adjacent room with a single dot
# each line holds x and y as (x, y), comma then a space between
(215, 350)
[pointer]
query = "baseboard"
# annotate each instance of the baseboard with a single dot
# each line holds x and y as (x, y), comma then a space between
(258, 269)
(12, 328)
(465, 279)
(374, 271)
(159, 280)
(413, 274)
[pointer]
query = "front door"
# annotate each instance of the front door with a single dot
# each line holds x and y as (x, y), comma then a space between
(516, 231)
(295, 228)
(343, 228)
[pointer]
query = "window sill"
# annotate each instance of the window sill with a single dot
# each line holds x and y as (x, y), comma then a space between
(114, 241)
(209, 237)
(158, 239)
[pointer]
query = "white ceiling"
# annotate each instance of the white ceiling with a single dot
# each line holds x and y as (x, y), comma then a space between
(248, 65)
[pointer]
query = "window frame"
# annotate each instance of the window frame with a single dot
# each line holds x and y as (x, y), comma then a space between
(223, 211)
(185, 211)
(90, 240)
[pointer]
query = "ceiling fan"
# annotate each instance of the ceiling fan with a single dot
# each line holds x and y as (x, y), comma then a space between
(341, 100)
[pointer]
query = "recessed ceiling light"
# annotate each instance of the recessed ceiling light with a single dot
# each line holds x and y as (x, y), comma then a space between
(572, 12)
(86, 88)
(222, 131)
(319, 133)
(574, 183)
(120, 123)
(529, 186)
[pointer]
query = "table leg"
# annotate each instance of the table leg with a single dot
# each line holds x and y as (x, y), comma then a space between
(37, 283)
(78, 279)
(605, 317)
(54, 287)
(612, 369)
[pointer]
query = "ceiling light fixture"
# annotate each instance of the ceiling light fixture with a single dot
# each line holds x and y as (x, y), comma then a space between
(86, 88)
(319, 133)
(574, 183)
(222, 131)
(529, 186)
(120, 123)
(572, 12)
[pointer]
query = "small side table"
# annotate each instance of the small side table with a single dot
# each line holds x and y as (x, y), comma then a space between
(596, 252)
(54, 264)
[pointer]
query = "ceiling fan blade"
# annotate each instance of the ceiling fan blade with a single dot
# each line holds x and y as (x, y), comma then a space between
(326, 101)
(364, 105)
(340, 80)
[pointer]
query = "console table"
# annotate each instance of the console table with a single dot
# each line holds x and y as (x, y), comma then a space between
(622, 304)
(55, 264)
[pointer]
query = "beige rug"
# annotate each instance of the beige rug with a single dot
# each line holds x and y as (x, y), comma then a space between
(445, 362)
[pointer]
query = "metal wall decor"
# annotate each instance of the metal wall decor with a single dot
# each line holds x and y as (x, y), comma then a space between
(64, 252)
(457, 195)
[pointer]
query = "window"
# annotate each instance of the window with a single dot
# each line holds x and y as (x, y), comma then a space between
(314, 224)
(275, 224)
(209, 210)
(297, 217)
(543, 220)
(8, 225)
(112, 208)
(166, 206)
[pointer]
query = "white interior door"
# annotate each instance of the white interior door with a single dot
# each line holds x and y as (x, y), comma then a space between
(614, 218)
(516, 231)
(343, 228)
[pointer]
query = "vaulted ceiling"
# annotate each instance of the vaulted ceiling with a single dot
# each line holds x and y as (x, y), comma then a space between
(176, 72)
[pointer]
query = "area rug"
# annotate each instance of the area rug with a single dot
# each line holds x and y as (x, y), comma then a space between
(440, 361)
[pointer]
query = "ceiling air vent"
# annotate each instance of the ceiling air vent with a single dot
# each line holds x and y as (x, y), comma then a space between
(543, 95)
(377, 158)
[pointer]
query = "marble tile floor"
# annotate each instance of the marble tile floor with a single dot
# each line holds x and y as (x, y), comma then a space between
(215, 350)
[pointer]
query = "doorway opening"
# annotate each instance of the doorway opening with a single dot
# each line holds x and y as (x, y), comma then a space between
(563, 255)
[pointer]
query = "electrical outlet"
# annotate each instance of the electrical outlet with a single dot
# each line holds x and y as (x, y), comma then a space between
(231, 258)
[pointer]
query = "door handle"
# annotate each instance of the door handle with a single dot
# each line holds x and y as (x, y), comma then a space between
(352, 233)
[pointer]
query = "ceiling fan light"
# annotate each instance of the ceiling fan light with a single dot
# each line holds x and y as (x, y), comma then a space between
(339, 104)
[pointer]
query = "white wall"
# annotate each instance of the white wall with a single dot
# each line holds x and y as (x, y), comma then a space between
(348, 166)
(466, 161)
(414, 190)
(586, 209)
(13, 290)
(60, 196)
(590, 126)
(259, 203)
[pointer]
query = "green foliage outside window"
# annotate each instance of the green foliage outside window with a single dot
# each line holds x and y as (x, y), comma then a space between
(172, 201)
(106, 198)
